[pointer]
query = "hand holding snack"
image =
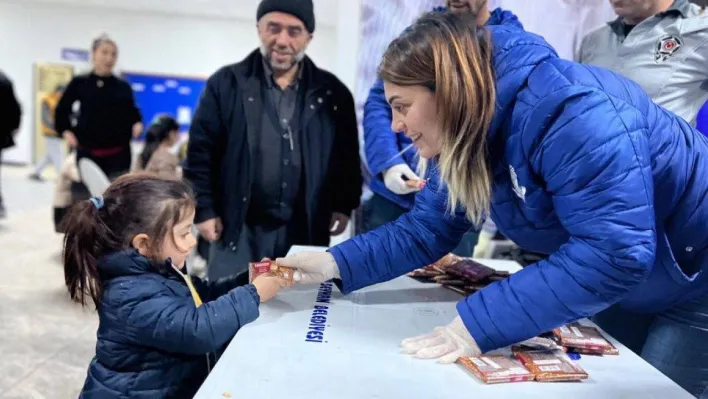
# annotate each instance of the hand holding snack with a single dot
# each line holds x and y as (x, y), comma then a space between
(268, 286)
(401, 180)
(311, 267)
(446, 343)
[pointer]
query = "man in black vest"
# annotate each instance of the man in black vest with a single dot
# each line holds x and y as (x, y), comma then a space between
(10, 114)
(273, 151)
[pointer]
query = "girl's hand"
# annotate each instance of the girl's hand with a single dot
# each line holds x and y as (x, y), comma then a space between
(268, 286)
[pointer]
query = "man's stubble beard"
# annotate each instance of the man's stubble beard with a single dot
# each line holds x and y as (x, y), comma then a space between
(265, 52)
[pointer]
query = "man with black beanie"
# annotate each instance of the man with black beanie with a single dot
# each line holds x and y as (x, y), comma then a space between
(273, 151)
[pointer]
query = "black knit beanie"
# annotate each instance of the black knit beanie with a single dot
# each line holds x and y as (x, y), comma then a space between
(302, 9)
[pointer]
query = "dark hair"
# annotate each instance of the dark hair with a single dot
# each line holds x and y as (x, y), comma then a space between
(158, 132)
(133, 204)
(451, 56)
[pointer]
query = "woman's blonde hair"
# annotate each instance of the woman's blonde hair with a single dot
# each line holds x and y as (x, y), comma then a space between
(451, 56)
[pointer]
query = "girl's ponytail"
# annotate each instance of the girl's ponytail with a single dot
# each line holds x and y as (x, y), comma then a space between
(86, 239)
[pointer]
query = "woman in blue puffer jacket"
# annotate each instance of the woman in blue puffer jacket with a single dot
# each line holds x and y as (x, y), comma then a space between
(569, 160)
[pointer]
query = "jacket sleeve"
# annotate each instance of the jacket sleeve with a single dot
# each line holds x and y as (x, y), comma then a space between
(418, 238)
(62, 113)
(211, 290)
(205, 150)
(594, 159)
(380, 142)
(346, 163)
(174, 324)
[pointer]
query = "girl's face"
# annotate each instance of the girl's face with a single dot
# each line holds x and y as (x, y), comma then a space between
(182, 241)
(415, 115)
(172, 138)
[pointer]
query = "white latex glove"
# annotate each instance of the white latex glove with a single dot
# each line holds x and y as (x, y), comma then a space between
(393, 179)
(311, 267)
(445, 343)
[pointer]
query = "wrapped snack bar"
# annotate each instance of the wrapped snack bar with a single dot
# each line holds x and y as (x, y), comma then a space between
(496, 369)
(255, 269)
(551, 365)
(584, 338)
(470, 270)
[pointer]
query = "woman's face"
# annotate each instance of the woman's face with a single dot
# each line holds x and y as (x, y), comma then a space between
(104, 58)
(415, 114)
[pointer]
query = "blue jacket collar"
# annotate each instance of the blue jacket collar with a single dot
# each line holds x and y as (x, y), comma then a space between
(129, 262)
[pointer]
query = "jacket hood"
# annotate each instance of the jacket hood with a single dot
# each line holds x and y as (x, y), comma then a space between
(496, 17)
(129, 263)
(515, 55)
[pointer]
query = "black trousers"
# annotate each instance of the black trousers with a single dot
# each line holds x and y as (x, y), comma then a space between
(112, 165)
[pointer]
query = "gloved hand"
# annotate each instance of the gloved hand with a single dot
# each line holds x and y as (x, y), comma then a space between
(311, 267)
(393, 179)
(445, 343)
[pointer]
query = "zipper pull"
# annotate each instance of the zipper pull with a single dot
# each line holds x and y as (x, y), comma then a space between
(290, 136)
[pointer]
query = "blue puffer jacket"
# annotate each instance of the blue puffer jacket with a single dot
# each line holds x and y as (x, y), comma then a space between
(585, 168)
(383, 145)
(153, 342)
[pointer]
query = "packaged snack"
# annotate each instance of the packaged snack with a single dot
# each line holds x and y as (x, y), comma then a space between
(607, 352)
(470, 270)
(450, 281)
(495, 277)
(495, 369)
(551, 365)
(423, 273)
(583, 337)
(419, 184)
(459, 290)
(474, 287)
(255, 269)
(444, 262)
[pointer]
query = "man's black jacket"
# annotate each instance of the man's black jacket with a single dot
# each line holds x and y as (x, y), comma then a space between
(224, 133)
(10, 112)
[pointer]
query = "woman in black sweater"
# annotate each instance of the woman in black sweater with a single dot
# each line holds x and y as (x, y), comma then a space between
(108, 117)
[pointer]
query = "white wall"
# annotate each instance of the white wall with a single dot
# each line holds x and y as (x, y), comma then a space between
(148, 42)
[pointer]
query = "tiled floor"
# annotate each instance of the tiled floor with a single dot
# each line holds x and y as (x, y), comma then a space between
(47, 341)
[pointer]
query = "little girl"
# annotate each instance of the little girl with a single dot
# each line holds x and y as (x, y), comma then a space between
(158, 328)
(156, 157)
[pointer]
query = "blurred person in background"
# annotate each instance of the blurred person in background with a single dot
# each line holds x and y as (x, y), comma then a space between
(273, 152)
(108, 117)
(157, 156)
(390, 156)
(660, 44)
(10, 116)
(53, 151)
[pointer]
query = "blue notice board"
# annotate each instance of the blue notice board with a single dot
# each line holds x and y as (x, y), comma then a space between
(176, 96)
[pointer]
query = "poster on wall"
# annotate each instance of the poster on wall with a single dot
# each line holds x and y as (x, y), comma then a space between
(50, 82)
(158, 94)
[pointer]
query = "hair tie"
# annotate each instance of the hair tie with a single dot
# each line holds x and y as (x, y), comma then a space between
(97, 201)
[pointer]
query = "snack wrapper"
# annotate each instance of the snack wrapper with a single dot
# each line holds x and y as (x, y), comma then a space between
(584, 338)
(551, 365)
(255, 269)
(495, 369)
(470, 270)
(418, 184)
